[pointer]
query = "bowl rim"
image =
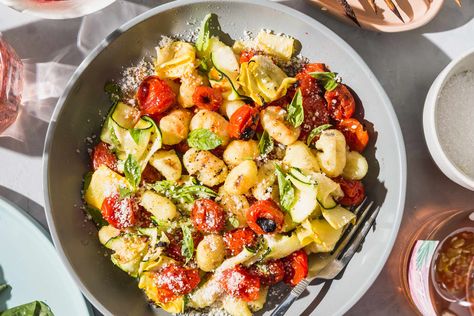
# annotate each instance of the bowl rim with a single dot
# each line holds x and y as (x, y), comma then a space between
(395, 126)
(430, 128)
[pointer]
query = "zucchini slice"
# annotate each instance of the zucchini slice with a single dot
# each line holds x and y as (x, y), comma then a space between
(129, 251)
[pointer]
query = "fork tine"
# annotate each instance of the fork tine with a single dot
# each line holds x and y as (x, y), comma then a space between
(353, 228)
(351, 250)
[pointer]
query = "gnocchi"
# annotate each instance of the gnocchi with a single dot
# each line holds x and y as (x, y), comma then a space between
(209, 169)
(189, 83)
(239, 150)
(167, 163)
(332, 152)
(161, 207)
(210, 252)
(356, 166)
(212, 121)
(229, 107)
(234, 204)
(266, 186)
(273, 121)
(242, 178)
(299, 155)
(175, 126)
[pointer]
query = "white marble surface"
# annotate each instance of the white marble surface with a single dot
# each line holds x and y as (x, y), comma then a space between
(405, 63)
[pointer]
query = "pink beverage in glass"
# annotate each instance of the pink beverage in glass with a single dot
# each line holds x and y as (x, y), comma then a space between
(11, 84)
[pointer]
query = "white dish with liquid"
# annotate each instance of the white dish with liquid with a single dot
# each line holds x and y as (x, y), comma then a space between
(443, 143)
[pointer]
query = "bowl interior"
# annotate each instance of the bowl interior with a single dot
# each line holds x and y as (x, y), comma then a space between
(82, 108)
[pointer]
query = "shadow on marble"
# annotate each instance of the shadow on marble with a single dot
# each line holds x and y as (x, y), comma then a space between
(25, 203)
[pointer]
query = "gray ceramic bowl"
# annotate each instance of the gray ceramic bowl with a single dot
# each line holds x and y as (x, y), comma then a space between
(81, 109)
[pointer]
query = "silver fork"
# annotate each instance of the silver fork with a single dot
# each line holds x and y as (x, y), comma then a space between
(340, 257)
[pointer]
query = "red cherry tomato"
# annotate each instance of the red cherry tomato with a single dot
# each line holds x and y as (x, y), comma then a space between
(341, 103)
(182, 147)
(270, 272)
(265, 217)
(120, 213)
(154, 96)
(150, 174)
(102, 155)
(239, 283)
(243, 122)
(173, 249)
(296, 267)
(235, 240)
(355, 134)
(207, 98)
(246, 55)
(354, 191)
(173, 281)
(314, 104)
(208, 216)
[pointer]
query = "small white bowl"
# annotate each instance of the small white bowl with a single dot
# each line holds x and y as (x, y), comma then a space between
(57, 10)
(458, 65)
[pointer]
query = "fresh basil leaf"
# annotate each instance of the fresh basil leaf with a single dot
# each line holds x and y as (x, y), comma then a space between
(114, 91)
(3, 287)
(265, 145)
(286, 190)
(315, 132)
(87, 180)
(183, 193)
(328, 79)
(187, 247)
(202, 42)
(295, 110)
(132, 170)
(135, 133)
(96, 216)
(203, 139)
(234, 221)
(35, 308)
(124, 192)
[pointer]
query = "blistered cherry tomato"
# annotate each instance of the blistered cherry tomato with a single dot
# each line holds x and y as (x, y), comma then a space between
(173, 281)
(208, 216)
(341, 103)
(246, 55)
(239, 283)
(265, 217)
(270, 272)
(120, 212)
(154, 96)
(296, 267)
(243, 122)
(235, 240)
(102, 155)
(354, 191)
(355, 134)
(207, 98)
(314, 104)
(173, 249)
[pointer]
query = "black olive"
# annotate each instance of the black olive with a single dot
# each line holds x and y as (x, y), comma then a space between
(267, 225)
(162, 244)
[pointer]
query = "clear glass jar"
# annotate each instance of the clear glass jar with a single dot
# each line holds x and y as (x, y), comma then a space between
(11, 84)
(438, 266)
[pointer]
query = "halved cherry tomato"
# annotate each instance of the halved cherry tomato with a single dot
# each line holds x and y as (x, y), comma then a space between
(235, 240)
(154, 96)
(270, 272)
(120, 212)
(246, 55)
(239, 283)
(173, 281)
(341, 103)
(356, 136)
(102, 155)
(265, 217)
(296, 267)
(243, 122)
(173, 249)
(208, 216)
(314, 104)
(207, 98)
(354, 191)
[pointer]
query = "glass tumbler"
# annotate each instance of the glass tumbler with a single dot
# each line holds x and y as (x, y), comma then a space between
(11, 84)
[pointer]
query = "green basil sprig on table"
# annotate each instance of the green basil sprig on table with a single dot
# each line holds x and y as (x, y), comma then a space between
(295, 110)
(203, 139)
(286, 190)
(35, 308)
(187, 247)
(132, 170)
(315, 132)
(328, 79)
(265, 145)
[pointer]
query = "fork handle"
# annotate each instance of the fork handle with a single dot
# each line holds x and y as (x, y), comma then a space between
(290, 298)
